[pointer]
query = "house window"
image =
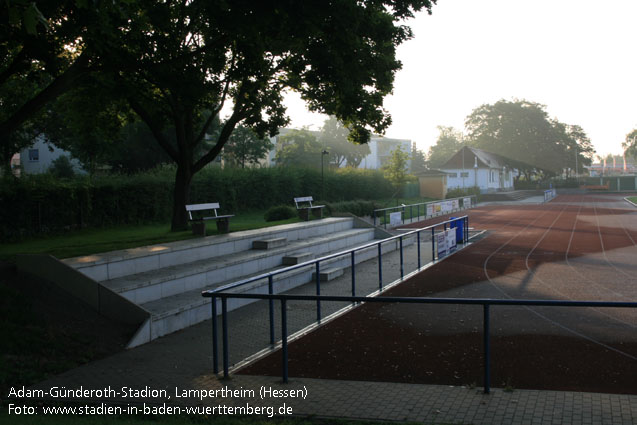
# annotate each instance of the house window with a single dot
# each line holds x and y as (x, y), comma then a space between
(491, 176)
(34, 155)
(452, 175)
(464, 174)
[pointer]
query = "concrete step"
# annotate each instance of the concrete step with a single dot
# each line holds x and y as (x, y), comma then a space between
(269, 243)
(182, 310)
(164, 282)
(297, 258)
(331, 273)
(117, 264)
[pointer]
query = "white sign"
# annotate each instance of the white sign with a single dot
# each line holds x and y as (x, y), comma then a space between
(395, 218)
(466, 203)
(451, 240)
(441, 242)
(430, 210)
(455, 204)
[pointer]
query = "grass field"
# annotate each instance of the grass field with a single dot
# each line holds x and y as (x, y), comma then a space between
(96, 240)
(91, 241)
(633, 199)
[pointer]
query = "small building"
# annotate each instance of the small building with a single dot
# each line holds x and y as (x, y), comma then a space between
(470, 167)
(39, 157)
(433, 184)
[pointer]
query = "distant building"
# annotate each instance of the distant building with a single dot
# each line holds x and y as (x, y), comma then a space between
(432, 184)
(380, 148)
(39, 157)
(601, 169)
(471, 167)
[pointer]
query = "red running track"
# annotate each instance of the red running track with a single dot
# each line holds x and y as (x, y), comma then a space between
(577, 247)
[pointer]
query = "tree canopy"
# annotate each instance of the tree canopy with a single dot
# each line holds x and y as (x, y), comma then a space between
(181, 64)
(448, 143)
(334, 138)
(396, 168)
(522, 130)
(245, 147)
(630, 144)
(299, 148)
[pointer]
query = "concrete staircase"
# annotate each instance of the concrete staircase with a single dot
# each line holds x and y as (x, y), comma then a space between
(165, 281)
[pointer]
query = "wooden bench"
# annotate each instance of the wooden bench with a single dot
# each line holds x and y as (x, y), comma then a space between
(304, 206)
(199, 223)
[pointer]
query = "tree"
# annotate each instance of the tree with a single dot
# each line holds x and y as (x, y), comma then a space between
(180, 63)
(10, 95)
(449, 142)
(395, 170)
(54, 44)
(91, 131)
(519, 130)
(334, 137)
(630, 144)
(418, 162)
(577, 147)
(299, 148)
(185, 57)
(246, 147)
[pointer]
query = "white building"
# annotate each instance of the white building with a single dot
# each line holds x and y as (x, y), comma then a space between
(471, 167)
(381, 149)
(39, 157)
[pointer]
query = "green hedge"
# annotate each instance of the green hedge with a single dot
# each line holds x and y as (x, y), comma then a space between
(44, 204)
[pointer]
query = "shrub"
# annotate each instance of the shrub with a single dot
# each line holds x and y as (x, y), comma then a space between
(61, 167)
(39, 204)
(280, 212)
(358, 207)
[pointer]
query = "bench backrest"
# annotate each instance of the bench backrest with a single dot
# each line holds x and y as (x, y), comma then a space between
(202, 207)
(301, 200)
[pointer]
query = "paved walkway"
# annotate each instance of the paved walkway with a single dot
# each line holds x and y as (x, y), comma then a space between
(180, 364)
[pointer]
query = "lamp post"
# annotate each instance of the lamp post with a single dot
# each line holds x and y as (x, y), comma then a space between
(323, 153)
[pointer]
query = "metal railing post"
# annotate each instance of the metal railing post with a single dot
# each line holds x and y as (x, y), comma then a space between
(353, 275)
(418, 241)
(402, 268)
(215, 337)
(380, 267)
(487, 349)
(224, 326)
(374, 217)
(433, 245)
(284, 340)
(318, 292)
(271, 306)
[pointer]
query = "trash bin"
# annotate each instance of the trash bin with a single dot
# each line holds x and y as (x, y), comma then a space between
(458, 225)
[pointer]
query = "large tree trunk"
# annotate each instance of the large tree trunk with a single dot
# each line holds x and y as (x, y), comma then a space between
(181, 197)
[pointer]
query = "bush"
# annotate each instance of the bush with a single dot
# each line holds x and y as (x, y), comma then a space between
(358, 207)
(61, 167)
(39, 204)
(281, 212)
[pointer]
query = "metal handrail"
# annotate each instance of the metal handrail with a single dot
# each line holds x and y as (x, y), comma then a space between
(485, 302)
(417, 205)
(267, 275)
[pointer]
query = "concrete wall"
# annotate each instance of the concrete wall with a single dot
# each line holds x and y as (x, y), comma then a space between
(488, 179)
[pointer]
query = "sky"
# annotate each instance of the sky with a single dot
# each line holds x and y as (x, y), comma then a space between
(576, 57)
